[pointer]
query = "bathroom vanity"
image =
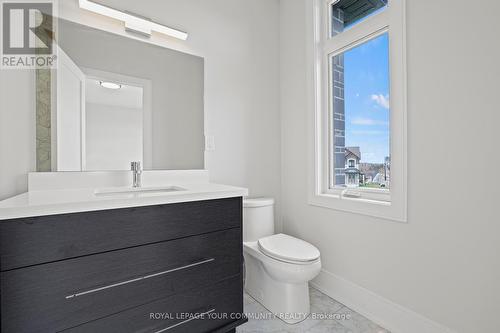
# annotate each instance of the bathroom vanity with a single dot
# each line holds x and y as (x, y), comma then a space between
(149, 262)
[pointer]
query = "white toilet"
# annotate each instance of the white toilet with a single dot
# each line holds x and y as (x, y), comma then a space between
(278, 266)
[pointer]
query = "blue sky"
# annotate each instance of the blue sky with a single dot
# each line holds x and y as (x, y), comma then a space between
(367, 99)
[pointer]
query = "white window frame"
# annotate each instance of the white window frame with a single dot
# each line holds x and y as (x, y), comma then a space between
(389, 204)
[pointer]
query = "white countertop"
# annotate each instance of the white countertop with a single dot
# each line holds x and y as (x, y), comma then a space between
(62, 201)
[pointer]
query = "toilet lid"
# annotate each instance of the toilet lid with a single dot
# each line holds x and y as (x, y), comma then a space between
(288, 248)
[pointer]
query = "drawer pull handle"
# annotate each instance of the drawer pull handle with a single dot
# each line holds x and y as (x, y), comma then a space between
(139, 278)
(184, 322)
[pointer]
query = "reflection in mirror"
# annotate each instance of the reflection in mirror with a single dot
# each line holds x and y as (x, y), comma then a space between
(113, 100)
(116, 109)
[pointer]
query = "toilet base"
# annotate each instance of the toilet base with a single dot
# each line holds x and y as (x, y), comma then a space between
(287, 301)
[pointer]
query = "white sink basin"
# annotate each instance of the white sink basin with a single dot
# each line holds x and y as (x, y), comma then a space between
(137, 190)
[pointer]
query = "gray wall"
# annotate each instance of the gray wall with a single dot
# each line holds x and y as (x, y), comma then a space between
(177, 83)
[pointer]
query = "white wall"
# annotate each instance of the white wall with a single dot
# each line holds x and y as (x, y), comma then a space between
(444, 263)
(113, 126)
(238, 40)
(113, 137)
(17, 130)
(68, 115)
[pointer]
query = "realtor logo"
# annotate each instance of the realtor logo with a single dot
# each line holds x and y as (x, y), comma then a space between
(28, 34)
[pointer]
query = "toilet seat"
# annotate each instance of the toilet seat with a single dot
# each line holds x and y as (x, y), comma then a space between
(288, 249)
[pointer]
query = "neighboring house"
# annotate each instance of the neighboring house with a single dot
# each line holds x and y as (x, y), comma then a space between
(353, 177)
(382, 175)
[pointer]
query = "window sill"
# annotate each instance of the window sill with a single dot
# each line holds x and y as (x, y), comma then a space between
(374, 195)
(364, 206)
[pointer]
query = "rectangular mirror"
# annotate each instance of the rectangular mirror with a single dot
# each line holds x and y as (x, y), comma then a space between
(113, 100)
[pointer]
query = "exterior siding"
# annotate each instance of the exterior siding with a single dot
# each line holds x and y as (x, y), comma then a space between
(337, 66)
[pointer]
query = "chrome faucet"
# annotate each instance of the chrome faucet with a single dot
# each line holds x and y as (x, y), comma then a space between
(137, 171)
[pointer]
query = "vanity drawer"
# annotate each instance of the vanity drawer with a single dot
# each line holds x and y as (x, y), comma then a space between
(31, 241)
(214, 307)
(55, 296)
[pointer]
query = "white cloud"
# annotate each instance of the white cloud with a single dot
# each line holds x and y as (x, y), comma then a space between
(381, 100)
(368, 122)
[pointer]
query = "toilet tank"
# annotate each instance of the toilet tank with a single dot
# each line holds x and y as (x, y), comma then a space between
(258, 218)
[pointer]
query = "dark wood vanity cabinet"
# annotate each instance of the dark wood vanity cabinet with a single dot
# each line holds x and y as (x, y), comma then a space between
(174, 267)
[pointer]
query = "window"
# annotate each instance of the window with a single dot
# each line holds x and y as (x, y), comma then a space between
(359, 107)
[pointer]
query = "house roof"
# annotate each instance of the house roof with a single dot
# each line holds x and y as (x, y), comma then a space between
(353, 150)
(352, 171)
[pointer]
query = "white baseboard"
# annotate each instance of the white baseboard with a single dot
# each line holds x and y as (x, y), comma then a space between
(385, 313)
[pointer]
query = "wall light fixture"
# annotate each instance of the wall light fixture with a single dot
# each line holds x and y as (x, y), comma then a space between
(133, 23)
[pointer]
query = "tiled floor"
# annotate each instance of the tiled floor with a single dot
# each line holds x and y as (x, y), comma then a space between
(327, 315)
